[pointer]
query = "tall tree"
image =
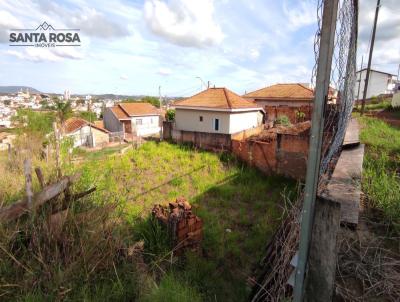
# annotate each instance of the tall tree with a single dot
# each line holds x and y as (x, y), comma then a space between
(63, 111)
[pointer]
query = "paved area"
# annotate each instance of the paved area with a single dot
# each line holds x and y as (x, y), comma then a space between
(352, 136)
(345, 185)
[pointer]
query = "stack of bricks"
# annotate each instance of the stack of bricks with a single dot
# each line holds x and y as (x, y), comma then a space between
(185, 228)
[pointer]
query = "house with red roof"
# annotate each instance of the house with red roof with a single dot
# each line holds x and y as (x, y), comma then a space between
(294, 100)
(213, 115)
(84, 133)
(132, 119)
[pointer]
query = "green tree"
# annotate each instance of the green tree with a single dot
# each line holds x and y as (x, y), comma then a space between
(147, 99)
(33, 121)
(63, 110)
(170, 115)
(152, 100)
(88, 115)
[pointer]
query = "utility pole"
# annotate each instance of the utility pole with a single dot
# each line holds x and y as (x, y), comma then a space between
(371, 49)
(359, 80)
(326, 46)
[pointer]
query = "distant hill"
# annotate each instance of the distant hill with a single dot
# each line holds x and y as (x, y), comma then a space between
(15, 89)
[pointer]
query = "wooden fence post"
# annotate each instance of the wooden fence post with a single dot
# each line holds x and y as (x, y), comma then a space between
(28, 181)
(40, 177)
(57, 136)
(320, 278)
(9, 151)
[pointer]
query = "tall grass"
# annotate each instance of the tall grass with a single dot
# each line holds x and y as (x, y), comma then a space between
(381, 181)
(240, 208)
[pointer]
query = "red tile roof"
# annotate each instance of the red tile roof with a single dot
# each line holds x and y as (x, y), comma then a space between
(134, 109)
(75, 123)
(217, 98)
(119, 113)
(287, 92)
(72, 124)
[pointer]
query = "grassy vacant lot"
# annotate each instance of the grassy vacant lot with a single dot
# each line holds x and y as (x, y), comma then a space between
(381, 181)
(240, 208)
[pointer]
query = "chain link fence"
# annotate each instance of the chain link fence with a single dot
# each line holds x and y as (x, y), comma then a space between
(275, 273)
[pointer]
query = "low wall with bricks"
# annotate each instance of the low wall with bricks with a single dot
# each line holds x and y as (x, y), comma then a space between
(280, 153)
(212, 141)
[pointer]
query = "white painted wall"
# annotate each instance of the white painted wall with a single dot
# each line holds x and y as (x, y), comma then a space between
(189, 120)
(244, 120)
(146, 125)
(379, 83)
(80, 136)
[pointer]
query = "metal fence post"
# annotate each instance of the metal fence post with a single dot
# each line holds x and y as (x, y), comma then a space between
(317, 126)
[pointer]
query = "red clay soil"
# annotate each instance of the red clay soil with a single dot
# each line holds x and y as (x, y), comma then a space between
(390, 117)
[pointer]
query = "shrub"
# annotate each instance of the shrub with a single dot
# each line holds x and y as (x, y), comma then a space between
(170, 115)
(283, 120)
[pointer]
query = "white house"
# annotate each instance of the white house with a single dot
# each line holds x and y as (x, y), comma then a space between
(379, 83)
(84, 133)
(217, 110)
(132, 119)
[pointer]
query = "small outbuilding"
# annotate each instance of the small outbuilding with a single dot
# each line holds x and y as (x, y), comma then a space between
(84, 133)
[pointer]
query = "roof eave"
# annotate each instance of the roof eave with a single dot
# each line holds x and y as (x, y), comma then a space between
(220, 109)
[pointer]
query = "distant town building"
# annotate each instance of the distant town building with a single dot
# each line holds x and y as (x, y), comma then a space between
(380, 82)
(23, 95)
(67, 95)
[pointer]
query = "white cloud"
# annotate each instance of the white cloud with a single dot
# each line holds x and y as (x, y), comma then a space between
(164, 71)
(254, 54)
(95, 24)
(183, 22)
(45, 54)
(300, 15)
(123, 77)
(386, 55)
(7, 22)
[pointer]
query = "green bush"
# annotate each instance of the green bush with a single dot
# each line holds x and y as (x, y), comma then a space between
(283, 120)
(170, 115)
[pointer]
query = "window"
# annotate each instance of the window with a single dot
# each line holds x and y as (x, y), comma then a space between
(201, 118)
(139, 121)
(216, 124)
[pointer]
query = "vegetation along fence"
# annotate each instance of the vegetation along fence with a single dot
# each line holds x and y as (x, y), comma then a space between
(275, 273)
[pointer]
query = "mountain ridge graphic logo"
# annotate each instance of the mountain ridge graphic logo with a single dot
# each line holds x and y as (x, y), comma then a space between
(45, 26)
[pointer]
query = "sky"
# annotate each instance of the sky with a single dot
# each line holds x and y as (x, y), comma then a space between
(133, 47)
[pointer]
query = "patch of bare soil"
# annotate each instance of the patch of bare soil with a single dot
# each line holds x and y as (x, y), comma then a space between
(392, 117)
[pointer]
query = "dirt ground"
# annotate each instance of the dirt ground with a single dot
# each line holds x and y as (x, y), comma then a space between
(390, 117)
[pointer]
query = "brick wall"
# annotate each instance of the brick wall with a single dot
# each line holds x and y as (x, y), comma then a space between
(283, 154)
(273, 112)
